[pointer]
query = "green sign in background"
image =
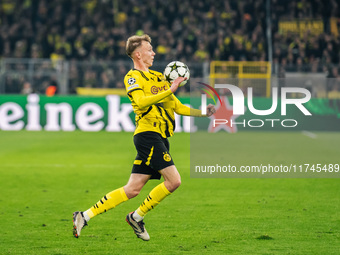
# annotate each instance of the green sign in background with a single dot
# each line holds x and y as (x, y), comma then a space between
(325, 113)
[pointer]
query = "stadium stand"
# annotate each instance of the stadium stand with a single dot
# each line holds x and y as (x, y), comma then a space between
(305, 33)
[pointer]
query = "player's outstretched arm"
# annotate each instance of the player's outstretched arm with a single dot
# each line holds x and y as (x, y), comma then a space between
(145, 101)
(182, 109)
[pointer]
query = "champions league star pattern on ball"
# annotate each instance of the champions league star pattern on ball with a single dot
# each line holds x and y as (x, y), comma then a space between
(176, 69)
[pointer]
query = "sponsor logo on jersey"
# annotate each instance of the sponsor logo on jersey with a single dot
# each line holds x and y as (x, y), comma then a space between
(155, 89)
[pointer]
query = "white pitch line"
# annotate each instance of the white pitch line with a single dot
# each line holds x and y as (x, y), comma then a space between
(309, 134)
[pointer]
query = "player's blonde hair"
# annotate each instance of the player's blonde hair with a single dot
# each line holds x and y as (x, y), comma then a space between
(133, 42)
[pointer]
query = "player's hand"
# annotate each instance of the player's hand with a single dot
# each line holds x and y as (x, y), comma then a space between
(210, 110)
(175, 84)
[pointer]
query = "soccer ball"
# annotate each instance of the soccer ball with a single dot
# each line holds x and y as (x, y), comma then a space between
(176, 69)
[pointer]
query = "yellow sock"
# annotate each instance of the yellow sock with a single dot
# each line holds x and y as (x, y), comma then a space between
(154, 198)
(109, 201)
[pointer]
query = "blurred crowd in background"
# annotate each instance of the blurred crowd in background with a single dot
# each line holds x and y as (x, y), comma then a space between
(197, 31)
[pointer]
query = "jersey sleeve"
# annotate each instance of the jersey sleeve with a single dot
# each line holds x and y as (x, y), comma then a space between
(145, 101)
(182, 109)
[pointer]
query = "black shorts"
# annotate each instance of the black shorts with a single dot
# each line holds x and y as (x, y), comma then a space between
(152, 154)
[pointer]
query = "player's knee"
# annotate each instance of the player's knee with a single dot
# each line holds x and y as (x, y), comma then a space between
(134, 193)
(131, 192)
(173, 185)
(177, 183)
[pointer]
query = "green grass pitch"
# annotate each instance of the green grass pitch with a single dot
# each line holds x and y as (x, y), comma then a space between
(45, 176)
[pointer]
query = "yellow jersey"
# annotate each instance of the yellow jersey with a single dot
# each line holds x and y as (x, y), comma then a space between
(153, 102)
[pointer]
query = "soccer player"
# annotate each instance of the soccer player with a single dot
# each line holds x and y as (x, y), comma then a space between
(154, 104)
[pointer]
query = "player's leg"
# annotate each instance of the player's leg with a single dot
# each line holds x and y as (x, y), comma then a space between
(172, 178)
(135, 184)
(172, 181)
(117, 196)
(109, 201)
(132, 189)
